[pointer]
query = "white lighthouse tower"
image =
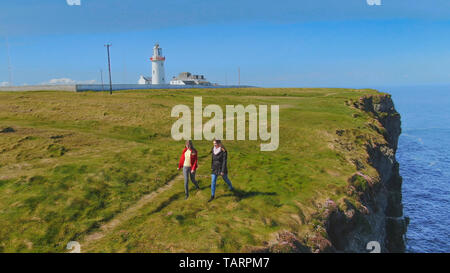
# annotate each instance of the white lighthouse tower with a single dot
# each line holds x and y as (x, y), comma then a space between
(158, 66)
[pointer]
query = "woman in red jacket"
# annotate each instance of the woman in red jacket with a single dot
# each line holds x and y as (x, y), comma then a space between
(188, 162)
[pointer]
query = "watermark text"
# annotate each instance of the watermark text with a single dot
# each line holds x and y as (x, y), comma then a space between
(235, 114)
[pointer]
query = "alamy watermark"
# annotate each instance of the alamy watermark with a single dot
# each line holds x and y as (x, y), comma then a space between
(78, 2)
(213, 129)
(374, 2)
(73, 2)
(74, 247)
(373, 247)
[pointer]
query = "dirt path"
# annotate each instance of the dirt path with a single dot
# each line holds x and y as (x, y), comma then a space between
(128, 213)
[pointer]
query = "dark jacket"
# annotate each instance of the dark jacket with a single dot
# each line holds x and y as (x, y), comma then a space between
(219, 162)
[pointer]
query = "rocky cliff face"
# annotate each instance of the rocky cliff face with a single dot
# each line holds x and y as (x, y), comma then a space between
(380, 216)
(371, 212)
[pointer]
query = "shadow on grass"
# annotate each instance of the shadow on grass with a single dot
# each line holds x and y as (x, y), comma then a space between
(241, 194)
(167, 202)
(174, 198)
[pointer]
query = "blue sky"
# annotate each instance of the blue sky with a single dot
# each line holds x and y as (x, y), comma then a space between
(344, 43)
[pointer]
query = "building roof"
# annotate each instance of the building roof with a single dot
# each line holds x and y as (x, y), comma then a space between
(189, 76)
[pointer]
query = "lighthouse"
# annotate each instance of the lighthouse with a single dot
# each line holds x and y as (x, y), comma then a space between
(157, 65)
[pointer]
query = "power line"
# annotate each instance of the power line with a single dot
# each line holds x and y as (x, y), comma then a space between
(124, 70)
(10, 80)
(101, 77)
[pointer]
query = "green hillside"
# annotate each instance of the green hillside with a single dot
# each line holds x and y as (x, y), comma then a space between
(102, 170)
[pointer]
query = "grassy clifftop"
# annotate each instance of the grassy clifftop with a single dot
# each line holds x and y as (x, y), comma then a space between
(101, 170)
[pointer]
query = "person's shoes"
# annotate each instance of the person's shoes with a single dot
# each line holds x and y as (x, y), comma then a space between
(197, 187)
(210, 199)
(186, 197)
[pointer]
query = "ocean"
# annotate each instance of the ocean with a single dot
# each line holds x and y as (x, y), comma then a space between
(424, 157)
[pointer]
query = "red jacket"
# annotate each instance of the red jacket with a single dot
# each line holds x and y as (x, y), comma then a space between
(194, 163)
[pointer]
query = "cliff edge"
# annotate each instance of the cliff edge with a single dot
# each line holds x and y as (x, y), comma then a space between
(380, 214)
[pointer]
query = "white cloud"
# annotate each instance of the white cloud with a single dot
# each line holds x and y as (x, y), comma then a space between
(88, 82)
(74, 2)
(68, 81)
(4, 83)
(60, 81)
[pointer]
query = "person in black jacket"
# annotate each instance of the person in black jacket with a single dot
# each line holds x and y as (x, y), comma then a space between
(219, 167)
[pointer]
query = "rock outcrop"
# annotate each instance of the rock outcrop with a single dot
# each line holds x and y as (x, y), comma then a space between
(379, 217)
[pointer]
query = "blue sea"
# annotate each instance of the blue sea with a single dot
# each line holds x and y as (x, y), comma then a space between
(424, 157)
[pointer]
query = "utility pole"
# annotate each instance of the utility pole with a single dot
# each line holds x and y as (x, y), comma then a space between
(10, 80)
(109, 67)
(239, 76)
(101, 77)
(124, 71)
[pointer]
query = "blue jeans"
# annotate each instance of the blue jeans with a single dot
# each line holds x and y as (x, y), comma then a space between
(214, 180)
(187, 174)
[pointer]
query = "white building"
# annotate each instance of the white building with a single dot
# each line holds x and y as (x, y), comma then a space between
(186, 78)
(158, 77)
(158, 66)
(145, 80)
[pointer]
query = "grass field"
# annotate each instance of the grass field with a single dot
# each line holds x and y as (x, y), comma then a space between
(71, 162)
